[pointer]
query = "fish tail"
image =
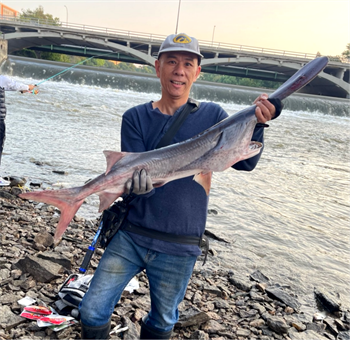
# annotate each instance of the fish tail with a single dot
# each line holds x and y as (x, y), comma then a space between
(66, 200)
(67, 214)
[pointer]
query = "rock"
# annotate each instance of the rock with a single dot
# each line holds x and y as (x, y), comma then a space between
(42, 270)
(242, 332)
(212, 326)
(221, 304)
(190, 317)
(277, 324)
(59, 172)
(9, 320)
(316, 327)
(44, 238)
(344, 335)
(259, 277)
(331, 326)
(257, 323)
(284, 297)
(7, 195)
(240, 284)
(199, 335)
(56, 258)
(299, 326)
(340, 325)
(133, 331)
(197, 297)
(327, 301)
(307, 335)
(8, 299)
(212, 290)
(16, 191)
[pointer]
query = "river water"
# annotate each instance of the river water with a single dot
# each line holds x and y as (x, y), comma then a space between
(289, 218)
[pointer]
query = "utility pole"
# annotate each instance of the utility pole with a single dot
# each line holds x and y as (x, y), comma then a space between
(178, 14)
(212, 38)
(66, 14)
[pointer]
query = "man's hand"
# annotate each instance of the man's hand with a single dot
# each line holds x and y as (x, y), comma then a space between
(31, 88)
(264, 111)
(140, 183)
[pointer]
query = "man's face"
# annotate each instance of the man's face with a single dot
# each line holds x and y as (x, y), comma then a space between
(177, 72)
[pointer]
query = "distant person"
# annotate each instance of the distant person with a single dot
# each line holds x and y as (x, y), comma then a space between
(8, 84)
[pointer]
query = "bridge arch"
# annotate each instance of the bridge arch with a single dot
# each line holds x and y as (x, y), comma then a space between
(59, 38)
(276, 69)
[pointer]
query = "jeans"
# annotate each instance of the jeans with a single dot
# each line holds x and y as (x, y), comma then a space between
(168, 277)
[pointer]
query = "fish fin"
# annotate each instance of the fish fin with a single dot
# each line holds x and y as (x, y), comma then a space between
(254, 149)
(106, 199)
(204, 179)
(67, 214)
(65, 200)
(112, 157)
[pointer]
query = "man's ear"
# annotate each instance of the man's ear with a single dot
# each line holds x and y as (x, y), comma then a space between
(157, 67)
(198, 72)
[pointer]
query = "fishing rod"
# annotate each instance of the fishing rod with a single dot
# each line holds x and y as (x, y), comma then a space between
(87, 258)
(67, 69)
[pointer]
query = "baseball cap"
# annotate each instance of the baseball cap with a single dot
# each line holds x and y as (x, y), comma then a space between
(180, 43)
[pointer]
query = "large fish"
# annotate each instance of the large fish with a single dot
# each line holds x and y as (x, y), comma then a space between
(215, 149)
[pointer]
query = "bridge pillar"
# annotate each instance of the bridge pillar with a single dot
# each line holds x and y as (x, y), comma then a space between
(340, 73)
(3, 50)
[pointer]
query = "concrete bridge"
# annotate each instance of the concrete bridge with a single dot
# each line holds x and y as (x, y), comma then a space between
(142, 48)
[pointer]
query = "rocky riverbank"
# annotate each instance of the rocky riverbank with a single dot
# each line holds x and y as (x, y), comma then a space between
(218, 304)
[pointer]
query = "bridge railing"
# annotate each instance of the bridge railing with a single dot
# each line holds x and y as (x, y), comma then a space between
(149, 37)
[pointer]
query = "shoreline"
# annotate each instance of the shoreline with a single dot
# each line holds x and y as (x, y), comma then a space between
(221, 304)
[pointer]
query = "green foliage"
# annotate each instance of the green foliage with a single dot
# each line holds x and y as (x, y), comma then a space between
(64, 58)
(126, 67)
(50, 56)
(95, 62)
(146, 69)
(38, 13)
(26, 53)
(346, 53)
(232, 80)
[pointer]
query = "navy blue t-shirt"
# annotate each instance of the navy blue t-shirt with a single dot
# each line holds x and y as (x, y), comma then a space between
(179, 207)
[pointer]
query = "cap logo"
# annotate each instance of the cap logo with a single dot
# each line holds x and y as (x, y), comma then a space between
(182, 39)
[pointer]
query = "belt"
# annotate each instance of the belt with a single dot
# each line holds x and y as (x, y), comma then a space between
(201, 241)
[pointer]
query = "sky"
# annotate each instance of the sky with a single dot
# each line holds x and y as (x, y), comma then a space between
(307, 26)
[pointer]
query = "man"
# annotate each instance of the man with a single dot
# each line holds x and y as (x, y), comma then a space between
(8, 84)
(179, 207)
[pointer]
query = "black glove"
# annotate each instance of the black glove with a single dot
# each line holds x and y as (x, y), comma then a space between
(139, 184)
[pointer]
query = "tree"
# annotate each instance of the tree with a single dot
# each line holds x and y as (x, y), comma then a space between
(346, 54)
(42, 18)
(39, 14)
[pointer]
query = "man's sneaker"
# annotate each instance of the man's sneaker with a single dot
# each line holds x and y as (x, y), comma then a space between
(4, 183)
